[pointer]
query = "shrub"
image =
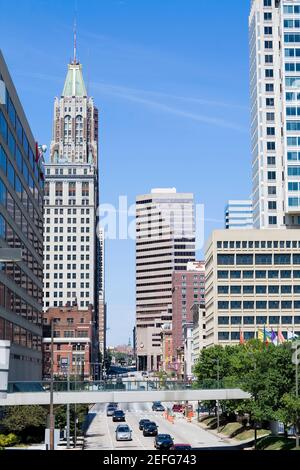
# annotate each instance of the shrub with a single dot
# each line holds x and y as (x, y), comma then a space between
(8, 440)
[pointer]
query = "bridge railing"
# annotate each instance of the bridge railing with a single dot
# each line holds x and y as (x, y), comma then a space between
(110, 385)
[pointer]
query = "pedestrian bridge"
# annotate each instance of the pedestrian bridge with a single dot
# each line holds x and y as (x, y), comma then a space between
(38, 393)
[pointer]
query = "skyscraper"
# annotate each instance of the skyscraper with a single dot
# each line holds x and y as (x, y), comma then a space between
(71, 245)
(165, 242)
(239, 215)
(21, 226)
(275, 109)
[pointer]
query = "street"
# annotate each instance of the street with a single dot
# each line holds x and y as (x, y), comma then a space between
(101, 432)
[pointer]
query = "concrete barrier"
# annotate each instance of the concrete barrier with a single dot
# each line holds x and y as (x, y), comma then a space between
(4, 367)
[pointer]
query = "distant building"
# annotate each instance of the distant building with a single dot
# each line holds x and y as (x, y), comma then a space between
(188, 350)
(73, 338)
(199, 331)
(188, 288)
(166, 363)
(21, 226)
(165, 242)
(239, 215)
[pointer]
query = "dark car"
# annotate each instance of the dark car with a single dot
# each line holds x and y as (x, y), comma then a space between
(157, 406)
(150, 429)
(119, 415)
(142, 423)
(113, 405)
(178, 408)
(180, 447)
(163, 441)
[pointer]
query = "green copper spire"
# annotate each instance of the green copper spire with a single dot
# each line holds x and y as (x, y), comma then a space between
(74, 84)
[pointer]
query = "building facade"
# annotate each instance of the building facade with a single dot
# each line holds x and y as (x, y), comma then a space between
(252, 281)
(188, 351)
(239, 215)
(21, 226)
(166, 362)
(274, 27)
(199, 331)
(188, 287)
(73, 333)
(165, 242)
(72, 251)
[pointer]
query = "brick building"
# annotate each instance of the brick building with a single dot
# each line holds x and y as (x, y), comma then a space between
(73, 331)
(188, 289)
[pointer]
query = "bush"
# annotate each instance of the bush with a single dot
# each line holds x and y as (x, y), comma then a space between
(8, 440)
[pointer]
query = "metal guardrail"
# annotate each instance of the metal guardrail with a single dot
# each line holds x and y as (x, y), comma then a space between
(107, 386)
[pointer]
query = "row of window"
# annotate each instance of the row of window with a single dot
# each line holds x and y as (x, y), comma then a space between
(259, 305)
(60, 303)
(69, 211)
(259, 244)
(14, 303)
(17, 335)
(65, 171)
(21, 138)
(259, 320)
(272, 289)
(288, 9)
(272, 274)
(69, 294)
(69, 275)
(235, 335)
(258, 259)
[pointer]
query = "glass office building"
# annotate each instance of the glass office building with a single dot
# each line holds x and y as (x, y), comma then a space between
(21, 226)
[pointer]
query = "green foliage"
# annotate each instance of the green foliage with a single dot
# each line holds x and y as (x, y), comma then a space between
(9, 440)
(61, 416)
(265, 371)
(27, 422)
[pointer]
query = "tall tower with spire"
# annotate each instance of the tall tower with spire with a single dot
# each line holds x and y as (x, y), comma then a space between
(71, 245)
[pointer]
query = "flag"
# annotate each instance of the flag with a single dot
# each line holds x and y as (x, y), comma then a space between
(260, 335)
(281, 338)
(292, 336)
(274, 338)
(267, 336)
(242, 339)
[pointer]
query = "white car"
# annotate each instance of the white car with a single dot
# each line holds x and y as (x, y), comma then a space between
(123, 433)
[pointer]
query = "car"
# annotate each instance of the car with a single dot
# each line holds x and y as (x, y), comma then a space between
(118, 415)
(179, 447)
(150, 429)
(142, 423)
(110, 410)
(141, 387)
(163, 441)
(157, 406)
(177, 408)
(113, 405)
(145, 374)
(123, 433)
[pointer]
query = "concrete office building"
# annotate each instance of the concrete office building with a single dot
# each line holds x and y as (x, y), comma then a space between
(21, 226)
(275, 123)
(188, 287)
(165, 242)
(72, 262)
(252, 281)
(239, 215)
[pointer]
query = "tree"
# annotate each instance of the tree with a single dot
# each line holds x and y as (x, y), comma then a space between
(289, 412)
(27, 422)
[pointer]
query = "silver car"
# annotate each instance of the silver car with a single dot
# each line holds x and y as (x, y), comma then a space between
(123, 433)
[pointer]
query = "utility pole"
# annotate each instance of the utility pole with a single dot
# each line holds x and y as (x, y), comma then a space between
(68, 408)
(51, 417)
(296, 360)
(218, 404)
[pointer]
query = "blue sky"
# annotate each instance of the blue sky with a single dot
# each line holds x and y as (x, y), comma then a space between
(170, 79)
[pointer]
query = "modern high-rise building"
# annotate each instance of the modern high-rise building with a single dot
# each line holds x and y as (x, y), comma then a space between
(102, 324)
(21, 226)
(275, 112)
(165, 242)
(239, 215)
(72, 272)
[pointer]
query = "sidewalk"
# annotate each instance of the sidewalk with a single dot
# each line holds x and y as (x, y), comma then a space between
(230, 440)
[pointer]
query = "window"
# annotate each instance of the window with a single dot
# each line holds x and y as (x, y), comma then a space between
(269, 87)
(223, 320)
(261, 289)
(223, 336)
(223, 274)
(235, 290)
(286, 274)
(248, 274)
(225, 260)
(261, 305)
(222, 305)
(235, 305)
(235, 274)
(263, 259)
(248, 289)
(223, 289)
(244, 259)
(272, 220)
(274, 304)
(261, 274)
(282, 259)
(236, 320)
(261, 320)
(248, 320)
(267, 3)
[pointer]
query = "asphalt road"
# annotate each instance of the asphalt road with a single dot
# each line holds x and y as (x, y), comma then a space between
(101, 432)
